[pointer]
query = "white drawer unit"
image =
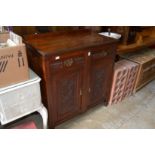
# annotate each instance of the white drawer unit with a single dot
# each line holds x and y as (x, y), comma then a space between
(22, 99)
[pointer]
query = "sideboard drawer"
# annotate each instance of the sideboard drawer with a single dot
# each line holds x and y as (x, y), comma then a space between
(66, 62)
(102, 52)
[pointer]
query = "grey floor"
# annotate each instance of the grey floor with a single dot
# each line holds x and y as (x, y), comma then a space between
(135, 112)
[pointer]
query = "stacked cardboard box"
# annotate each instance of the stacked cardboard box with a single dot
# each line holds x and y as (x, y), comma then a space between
(124, 80)
(13, 60)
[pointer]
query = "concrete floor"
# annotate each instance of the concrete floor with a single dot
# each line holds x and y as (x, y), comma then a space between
(137, 111)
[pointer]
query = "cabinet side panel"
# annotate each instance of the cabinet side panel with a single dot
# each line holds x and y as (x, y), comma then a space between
(37, 64)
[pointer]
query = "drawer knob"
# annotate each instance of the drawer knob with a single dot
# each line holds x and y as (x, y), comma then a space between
(57, 57)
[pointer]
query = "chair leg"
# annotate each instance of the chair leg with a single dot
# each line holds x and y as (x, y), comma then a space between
(44, 114)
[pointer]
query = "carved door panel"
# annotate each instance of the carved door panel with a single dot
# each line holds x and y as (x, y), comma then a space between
(101, 68)
(67, 87)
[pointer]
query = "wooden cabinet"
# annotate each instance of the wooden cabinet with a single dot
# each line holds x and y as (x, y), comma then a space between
(136, 38)
(76, 69)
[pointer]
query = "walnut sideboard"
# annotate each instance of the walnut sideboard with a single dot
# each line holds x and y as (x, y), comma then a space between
(76, 68)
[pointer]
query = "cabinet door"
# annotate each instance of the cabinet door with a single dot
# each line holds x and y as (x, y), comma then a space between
(67, 75)
(101, 71)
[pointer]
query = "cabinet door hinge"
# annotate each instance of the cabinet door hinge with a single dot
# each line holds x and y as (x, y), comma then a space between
(80, 92)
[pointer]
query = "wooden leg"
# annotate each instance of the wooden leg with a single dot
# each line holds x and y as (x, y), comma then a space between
(44, 114)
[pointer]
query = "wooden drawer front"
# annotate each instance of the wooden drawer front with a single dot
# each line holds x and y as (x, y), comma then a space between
(61, 62)
(102, 52)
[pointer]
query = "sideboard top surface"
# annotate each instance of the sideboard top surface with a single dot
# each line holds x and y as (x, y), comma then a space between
(57, 42)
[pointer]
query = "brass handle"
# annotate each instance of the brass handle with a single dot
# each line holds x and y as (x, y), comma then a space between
(68, 62)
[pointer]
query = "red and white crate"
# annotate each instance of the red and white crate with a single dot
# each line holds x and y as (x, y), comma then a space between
(124, 79)
(131, 78)
(118, 84)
